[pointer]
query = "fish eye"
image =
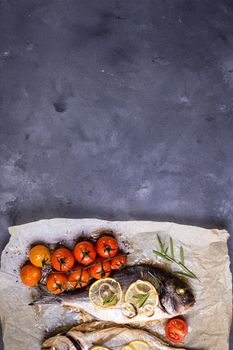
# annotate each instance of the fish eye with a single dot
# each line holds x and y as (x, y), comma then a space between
(180, 291)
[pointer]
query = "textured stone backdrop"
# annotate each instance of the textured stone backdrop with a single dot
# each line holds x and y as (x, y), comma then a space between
(116, 110)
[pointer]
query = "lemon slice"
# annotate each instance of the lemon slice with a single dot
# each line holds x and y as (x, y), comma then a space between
(129, 310)
(148, 309)
(144, 297)
(97, 347)
(137, 345)
(142, 287)
(105, 293)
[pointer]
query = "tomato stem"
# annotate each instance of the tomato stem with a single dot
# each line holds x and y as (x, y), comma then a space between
(95, 263)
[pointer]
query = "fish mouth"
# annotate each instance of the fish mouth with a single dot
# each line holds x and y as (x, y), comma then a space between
(191, 301)
(180, 308)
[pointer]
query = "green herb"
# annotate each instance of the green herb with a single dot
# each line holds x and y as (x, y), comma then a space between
(172, 248)
(163, 254)
(181, 255)
(157, 280)
(109, 299)
(160, 244)
(184, 274)
(141, 299)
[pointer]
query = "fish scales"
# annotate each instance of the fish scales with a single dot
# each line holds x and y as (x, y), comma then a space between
(84, 336)
(175, 296)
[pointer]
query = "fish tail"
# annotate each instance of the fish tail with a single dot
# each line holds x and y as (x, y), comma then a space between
(46, 298)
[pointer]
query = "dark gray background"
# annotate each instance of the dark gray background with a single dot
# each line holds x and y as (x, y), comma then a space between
(116, 110)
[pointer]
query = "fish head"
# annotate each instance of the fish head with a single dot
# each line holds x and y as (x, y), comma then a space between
(176, 296)
(61, 342)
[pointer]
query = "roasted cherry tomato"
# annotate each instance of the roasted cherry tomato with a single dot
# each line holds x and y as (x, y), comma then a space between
(100, 269)
(62, 259)
(84, 252)
(176, 330)
(79, 278)
(107, 246)
(56, 283)
(40, 255)
(30, 275)
(118, 262)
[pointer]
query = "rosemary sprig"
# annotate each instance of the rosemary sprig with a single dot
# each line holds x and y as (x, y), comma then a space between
(109, 299)
(183, 274)
(141, 299)
(160, 244)
(172, 248)
(163, 254)
(182, 255)
(157, 280)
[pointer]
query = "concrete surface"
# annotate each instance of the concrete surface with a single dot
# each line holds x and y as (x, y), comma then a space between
(116, 110)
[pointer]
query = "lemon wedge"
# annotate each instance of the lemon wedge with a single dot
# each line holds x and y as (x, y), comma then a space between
(105, 293)
(143, 296)
(137, 345)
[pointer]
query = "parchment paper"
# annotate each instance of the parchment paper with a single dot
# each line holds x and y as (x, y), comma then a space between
(205, 254)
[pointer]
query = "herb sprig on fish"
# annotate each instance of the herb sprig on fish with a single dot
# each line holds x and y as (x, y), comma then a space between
(163, 253)
(141, 298)
(109, 299)
(174, 295)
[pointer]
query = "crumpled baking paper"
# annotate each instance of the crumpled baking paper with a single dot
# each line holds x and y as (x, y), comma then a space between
(206, 254)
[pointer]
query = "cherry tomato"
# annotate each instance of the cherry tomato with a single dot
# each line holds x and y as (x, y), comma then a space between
(30, 275)
(62, 259)
(100, 269)
(40, 255)
(84, 252)
(176, 330)
(56, 283)
(79, 278)
(107, 246)
(118, 262)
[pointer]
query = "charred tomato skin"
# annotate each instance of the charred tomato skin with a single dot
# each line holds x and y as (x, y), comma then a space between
(84, 252)
(100, 269)
(107, 246)
(56, 283)
(176, 330)
(118, 262)
(62, 259)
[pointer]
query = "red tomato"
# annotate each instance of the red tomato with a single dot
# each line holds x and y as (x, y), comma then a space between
(100, 269)
(84, 252)
(79, 278)
(62, 259)
(118, 262)
(30, 275)
(176, 330)
(107, 246)
(56, 283)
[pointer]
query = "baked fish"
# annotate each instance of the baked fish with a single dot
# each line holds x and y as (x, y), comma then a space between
(174, 296)
(88, 335)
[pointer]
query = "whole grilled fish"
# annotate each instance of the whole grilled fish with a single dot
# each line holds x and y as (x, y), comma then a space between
(84, 336)
(175, 296)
